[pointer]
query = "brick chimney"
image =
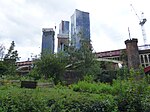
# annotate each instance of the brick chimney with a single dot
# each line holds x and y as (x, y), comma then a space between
(132, 53)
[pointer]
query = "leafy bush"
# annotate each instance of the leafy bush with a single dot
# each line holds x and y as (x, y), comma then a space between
(106, 76)
(84, 86)
(50, 66)
(62, 99)
(133, 98)
(3, 68)
(120, 86)
(146, 101)
(127, 94)
(89, 78)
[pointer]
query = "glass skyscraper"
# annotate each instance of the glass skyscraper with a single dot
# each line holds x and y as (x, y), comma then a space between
(48, 40)
(80, 27)
(64, 27)
(63, 36)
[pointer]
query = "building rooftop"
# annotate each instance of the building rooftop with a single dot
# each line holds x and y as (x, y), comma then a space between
(62, 35)
(47, 29)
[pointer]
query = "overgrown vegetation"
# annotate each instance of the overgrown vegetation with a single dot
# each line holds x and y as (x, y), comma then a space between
(7, 65)
(50, 66)
(122, 95)
(58, 99)
(54, 66)
(100, 90)
(83, 59)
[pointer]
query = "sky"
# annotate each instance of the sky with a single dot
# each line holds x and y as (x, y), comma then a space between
(22, 21)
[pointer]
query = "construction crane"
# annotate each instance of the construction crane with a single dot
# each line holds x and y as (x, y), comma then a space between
(141, 23)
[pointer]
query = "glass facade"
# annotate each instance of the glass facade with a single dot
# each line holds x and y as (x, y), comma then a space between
(63, 36)
(64, 27)
(80, 27)
(48, 40)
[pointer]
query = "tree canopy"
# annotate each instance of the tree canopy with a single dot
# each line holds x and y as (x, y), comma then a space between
(83, 59)
(2, 50)
(51, 65)
(12, 54)
(8, 66)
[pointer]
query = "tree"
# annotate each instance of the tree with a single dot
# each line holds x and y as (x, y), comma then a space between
(124, 57)
(10, 58)
(3, 68)
(83, 59)
(12, 54)
(51, 66)
(2, 49)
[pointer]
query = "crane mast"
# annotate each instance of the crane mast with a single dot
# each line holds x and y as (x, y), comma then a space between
(141, 23)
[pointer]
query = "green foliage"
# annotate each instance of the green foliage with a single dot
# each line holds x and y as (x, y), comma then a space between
(22, 102)
(131, 100)
(35, 74)
(7, 66)
(124, 57)
(53, 100)
(12, 54)
(146, 100)
(89, 78)
(147, 77)
(120, 86)
(51, 66)
(83, 59)
(129, 95)
(96, 88)
(106, 76)
(3, 68)
(129, 92)
(123, 73)
(2, 50)
(11, 67)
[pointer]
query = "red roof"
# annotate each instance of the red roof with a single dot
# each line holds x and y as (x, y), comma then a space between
(147, 69)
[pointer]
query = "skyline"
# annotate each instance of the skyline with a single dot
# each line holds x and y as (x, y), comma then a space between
(22, 22)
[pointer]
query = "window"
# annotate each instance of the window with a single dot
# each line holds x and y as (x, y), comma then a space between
(147, 65)
(145, 58)
(149, 57)
(142, 61)
(143, 65)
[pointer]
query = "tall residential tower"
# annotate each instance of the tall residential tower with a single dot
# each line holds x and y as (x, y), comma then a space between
(80, 27)
(63, 36)
(48, 40)
(64, 27)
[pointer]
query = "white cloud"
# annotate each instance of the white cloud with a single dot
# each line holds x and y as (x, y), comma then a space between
(23, 20)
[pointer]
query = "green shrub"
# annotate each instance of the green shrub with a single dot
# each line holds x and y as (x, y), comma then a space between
(89, 78)
(133, 98)
(84, 86)
(120, 86)
(106, 76)
(146, 102)
(123, 95)
(13, 99)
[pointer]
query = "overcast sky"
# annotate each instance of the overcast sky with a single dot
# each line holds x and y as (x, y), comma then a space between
(22, 21)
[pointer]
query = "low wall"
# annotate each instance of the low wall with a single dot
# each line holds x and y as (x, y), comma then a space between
(71, 76)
